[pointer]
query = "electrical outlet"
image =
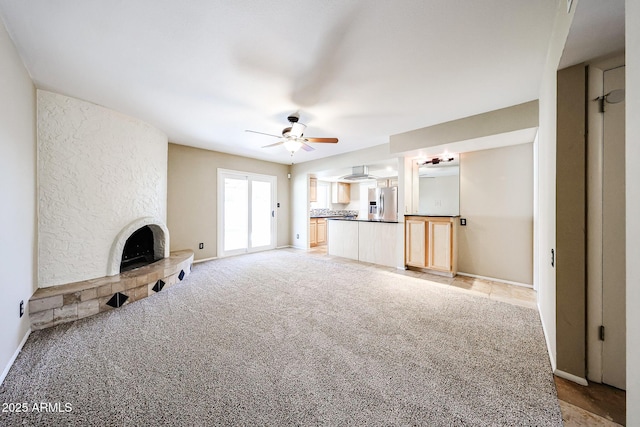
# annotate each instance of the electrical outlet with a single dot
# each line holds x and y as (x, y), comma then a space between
(297, 236)
(21, 308)
(201, 246)
(463, 222)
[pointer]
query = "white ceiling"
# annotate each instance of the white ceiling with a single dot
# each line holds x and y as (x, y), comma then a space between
(203, 71)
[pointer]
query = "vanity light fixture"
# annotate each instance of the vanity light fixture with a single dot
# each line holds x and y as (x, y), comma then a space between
(437, 160)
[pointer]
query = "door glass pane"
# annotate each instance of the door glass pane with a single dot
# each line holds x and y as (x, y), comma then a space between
(236, 213)
(260, 213)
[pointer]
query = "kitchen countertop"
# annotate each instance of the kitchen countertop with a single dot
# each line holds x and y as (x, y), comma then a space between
(327, 216)
(362, 220)
(433, 216)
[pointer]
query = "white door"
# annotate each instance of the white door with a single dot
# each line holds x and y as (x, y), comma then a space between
(613, 231)
(246, 212)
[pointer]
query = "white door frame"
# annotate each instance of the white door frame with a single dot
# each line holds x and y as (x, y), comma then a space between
(250, 176)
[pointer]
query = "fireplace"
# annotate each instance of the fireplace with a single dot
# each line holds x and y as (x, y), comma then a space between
(138, 250)
(142, 242)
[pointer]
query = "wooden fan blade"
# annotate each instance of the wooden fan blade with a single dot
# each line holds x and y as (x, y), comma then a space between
(306, 147)
(330, 140)
(262, 133)
(273, 145)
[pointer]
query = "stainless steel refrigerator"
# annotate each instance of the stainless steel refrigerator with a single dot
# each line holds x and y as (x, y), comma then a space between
(383, 204)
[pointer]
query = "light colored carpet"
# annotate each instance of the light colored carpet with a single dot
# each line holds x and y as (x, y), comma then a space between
(284, 338)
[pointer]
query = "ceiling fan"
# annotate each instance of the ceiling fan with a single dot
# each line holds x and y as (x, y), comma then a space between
(293, 138)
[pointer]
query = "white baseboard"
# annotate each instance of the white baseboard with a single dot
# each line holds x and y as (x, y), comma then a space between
(215, 257)
(493, 279)
(198, 261)
(552, 357)
(570, 377)
(13, 358)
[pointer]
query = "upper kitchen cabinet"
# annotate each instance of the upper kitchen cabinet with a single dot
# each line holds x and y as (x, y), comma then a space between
(313, 189)
(387, 182)
(340, 192)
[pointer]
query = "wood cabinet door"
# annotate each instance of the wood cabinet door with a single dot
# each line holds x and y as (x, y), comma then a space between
(321, 232)
(344, 190)
(313, 232)
(313, 190)
(416, 243)
(440, 236)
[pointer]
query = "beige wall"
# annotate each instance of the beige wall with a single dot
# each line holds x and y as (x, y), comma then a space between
(570, 221)
(18, 189)
(496, 198)
(192, 196)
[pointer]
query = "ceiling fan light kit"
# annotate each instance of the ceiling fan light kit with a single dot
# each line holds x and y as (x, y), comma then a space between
(292, 145)
(293, 138)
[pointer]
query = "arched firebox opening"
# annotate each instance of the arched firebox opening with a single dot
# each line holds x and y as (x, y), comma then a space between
(147, 240)
(138, 250)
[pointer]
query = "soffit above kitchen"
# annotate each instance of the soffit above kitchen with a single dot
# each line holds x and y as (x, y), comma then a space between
(203, 72)
(517, 124)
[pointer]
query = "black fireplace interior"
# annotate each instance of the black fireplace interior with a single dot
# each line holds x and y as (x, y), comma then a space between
(138, 250)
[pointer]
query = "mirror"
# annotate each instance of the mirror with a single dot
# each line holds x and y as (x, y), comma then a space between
(439, 188)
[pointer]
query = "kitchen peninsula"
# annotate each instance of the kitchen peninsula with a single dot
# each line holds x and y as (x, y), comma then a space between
(364, 240)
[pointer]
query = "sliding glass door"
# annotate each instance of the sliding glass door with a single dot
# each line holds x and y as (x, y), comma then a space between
(246, 212)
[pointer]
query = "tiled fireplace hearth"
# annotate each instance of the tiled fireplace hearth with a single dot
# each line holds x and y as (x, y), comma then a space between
(65, 303)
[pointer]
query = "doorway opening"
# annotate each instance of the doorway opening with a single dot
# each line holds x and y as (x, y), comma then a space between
(606, 265)
(246, 212)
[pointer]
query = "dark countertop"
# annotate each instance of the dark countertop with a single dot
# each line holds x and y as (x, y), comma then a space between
(434, 216)
(362, 220)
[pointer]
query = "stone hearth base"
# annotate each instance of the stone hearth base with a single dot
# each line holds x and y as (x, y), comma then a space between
(65, 303)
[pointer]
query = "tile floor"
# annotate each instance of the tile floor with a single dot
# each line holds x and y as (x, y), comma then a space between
(593, 405)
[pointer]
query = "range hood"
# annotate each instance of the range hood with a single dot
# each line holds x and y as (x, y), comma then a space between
(358, 173)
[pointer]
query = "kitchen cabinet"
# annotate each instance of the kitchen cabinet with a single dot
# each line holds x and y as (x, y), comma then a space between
(440, 245)
(340, 192)
(317, 231)
(313, 232)
(387, 182)
(416, 242)
(430, 243)
(321, 231)
(313, 189)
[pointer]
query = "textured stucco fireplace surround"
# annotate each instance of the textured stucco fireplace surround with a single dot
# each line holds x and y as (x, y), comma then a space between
(102, 175)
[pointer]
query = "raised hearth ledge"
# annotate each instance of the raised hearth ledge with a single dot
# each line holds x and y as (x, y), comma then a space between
(65, 303)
